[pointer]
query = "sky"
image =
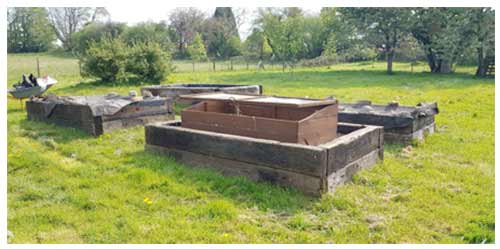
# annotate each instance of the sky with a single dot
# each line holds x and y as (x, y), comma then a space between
(136, 14)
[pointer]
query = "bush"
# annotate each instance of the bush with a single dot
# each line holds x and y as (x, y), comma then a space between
(149, 32)
(106, 59)
(113, 60)
(149, 62)
(95, 32)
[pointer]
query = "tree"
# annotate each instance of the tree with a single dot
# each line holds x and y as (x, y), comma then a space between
(255, 46)
(225, 15)
(314, 37)
(67, 20)
(342, 39)
(482, 29)
(28, 30)
(196, 49)
(221, 34)
(185, 22)
(284, 31)
(441, 32)
(384, 26)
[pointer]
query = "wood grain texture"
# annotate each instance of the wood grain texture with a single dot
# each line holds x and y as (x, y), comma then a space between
(307, 184)
(351, 147)
(81, 117)
(311, 169)
(309, 160)
(310, 125)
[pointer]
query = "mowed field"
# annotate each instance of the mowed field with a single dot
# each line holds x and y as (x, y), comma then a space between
(67, 187)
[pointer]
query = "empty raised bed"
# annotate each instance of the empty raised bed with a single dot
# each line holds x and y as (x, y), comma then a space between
(402, 124)
(293, 120)
(311, 169)
(176, 90)
(98, 114)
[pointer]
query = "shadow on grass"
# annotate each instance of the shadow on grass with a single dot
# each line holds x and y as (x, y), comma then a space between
(352, 79)
(242, 191)
(60, 134)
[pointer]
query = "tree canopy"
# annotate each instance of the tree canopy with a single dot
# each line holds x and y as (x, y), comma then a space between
(441, 36)
(28, 30)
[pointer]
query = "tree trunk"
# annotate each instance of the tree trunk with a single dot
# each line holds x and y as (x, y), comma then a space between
(482, 66)
(390, 58)
(213, 64)
(443, 67)
(431, 61)
(193, 66)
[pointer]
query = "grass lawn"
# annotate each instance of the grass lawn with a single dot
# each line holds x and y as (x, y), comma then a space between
(67, 187)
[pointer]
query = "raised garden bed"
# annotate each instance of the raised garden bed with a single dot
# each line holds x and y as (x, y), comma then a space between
(402, 124)
(293, 120)
(311, 169)
(98, 114)
(176, 90)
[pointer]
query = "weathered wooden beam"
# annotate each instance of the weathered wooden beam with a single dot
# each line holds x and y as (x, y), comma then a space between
(311, 169)
(304, 159)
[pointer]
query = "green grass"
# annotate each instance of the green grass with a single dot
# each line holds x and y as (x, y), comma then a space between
(67, 187)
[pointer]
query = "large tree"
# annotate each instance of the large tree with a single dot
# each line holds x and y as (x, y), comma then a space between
(221, 34)
(256, 47)
(28, 30)
(385, 27)
(68, 20)
(284, 31)
(185, 22)
(481, 23)
(444, 35)
(225, 15)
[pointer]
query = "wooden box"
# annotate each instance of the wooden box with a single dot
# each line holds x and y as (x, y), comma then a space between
(98, 114)
(311, 169)
(292, 120)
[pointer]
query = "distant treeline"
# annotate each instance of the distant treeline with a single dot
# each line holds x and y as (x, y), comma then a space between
(441, 36)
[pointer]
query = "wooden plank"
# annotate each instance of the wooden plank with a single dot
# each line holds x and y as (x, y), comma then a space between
(350, 147)
(304, 183)
(257, 127)
(345, 173)
(320, 127)
(298, 158)
(261, 99)
(388, 122)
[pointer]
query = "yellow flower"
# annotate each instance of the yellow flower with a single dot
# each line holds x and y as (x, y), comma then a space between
(225, 235)
(147, 201)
